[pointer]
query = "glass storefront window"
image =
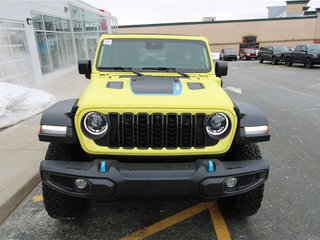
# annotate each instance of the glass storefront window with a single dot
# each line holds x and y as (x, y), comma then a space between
(87, 27)
(53, 50)
(65, 25)
(43, 52)
(4, 40)
(75, 13)
(90, 25)
(89, 15)
(77, 25)
(15, 37)
(55, 42)
(80, 46)
(5, 53)
(82, 14)
(48, 23)
(57, 22)
(91, 46)
(63, 49)
(14, 25)
(102, 24)
(19, 52)
(14, 59)
(70, 49)
(37, 21)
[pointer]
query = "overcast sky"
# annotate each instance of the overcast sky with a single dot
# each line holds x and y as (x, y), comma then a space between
(158, 11)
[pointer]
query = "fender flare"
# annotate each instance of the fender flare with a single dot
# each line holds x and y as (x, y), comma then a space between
(250, 117)
(60, 114)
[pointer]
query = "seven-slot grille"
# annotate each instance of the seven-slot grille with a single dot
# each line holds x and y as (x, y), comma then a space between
(156, 131)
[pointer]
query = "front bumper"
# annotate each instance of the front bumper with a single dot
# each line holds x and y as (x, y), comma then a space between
(230, 57)
(316, 60)
(153, 180)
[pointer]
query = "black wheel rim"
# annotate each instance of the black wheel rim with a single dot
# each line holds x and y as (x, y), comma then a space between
(308, 63)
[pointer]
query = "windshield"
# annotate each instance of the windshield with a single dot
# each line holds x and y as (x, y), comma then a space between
(230, 51)
(280, 48)
(139, 54)
(249, 50)
(315, 47)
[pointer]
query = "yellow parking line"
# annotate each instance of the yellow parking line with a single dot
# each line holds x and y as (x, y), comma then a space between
(218, 222)
(37, 198)
(165, 223)
(217, 219)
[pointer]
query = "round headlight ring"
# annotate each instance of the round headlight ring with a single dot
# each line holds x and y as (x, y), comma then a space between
(90, 130)
(222, 133)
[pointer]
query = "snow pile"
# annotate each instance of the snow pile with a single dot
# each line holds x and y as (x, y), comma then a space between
(18, 103)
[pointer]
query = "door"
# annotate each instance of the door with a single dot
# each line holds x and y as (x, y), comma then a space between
(269, 53)
(298, 54)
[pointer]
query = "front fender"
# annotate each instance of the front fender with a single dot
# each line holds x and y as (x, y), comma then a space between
(60, 115)
(253, 124)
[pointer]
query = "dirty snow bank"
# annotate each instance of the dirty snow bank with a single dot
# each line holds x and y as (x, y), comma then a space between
(18, 103)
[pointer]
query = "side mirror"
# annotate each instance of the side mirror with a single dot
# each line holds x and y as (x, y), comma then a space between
(221, 69)
(84, 67)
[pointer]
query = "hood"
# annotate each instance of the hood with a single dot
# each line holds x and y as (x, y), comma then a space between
(315, 52)
(149, 92)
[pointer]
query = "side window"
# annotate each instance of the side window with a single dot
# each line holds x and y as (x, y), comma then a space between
(298, 48)
(304, 48)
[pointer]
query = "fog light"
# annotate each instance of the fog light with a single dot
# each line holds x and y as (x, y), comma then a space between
(80, 183)
(231, 182)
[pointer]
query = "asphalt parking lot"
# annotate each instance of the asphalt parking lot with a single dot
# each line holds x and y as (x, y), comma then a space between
(291, 98)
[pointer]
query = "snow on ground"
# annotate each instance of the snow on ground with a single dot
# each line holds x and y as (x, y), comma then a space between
(18, 103)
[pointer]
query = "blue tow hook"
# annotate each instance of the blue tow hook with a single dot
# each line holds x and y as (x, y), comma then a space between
(210, 166)
(103, 166)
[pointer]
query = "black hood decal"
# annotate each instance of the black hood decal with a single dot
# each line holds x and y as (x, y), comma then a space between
(156, 85)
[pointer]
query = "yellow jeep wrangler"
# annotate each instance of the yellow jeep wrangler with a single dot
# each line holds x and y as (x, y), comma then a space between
(153, 122)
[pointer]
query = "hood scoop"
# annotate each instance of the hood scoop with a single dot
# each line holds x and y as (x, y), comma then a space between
(156, 85)
(195, 86)
(115, 85)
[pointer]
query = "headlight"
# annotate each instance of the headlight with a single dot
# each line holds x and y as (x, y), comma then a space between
(95, 125)
(218, 126)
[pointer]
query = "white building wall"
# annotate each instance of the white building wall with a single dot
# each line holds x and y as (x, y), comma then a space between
(21, 10)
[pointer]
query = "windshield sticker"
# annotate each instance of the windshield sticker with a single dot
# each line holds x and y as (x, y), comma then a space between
(107, 42)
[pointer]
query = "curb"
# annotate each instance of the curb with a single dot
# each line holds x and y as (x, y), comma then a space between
(11, 203)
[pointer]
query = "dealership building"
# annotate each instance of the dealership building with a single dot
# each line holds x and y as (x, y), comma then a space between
(288, 25)
(42, 40)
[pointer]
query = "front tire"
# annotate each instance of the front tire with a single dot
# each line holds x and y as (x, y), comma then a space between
(246, 204)
(308, 63)
(260, 59)
(59, 205)
(288, 62)
(274, 61)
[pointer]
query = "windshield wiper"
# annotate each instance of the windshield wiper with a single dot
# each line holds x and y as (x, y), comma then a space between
(167, 69)
(124, 69)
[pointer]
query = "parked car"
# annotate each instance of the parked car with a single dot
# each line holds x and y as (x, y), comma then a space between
(307, 54)
(228, 54)
(141, 130)
(274, 54)
(248, 54)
